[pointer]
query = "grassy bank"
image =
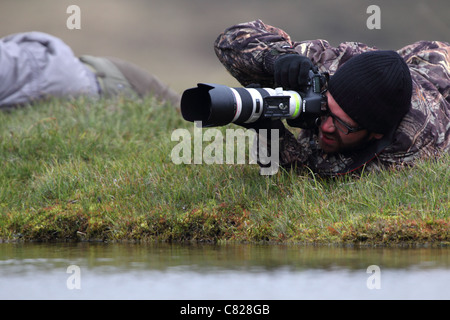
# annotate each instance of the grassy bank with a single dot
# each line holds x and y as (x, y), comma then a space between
(84, 170)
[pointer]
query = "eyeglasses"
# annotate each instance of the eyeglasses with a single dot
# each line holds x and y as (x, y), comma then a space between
(338, 123)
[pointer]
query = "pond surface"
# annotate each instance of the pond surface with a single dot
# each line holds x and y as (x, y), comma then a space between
(265, 272)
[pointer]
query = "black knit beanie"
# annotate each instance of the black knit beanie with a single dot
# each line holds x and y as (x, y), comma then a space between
(374, 89)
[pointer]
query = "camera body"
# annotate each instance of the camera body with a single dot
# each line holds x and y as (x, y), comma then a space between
(219, 105)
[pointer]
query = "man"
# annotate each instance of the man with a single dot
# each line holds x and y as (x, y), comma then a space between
(35, 65)
(384, 107)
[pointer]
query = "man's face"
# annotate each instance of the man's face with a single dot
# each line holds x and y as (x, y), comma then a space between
(332, 140)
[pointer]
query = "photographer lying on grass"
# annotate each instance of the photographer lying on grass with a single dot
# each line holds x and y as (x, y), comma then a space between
(36, 65)
(384, 107)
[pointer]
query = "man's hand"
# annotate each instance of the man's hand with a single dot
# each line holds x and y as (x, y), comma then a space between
(291, 71)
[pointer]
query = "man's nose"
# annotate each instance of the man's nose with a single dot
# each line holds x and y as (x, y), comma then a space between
(328, 125)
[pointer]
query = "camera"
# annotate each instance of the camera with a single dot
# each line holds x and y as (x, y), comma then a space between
(219, 105)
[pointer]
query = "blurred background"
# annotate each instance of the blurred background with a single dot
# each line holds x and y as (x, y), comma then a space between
(173, 39)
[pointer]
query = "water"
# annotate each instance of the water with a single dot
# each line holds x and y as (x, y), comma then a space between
(256, 272)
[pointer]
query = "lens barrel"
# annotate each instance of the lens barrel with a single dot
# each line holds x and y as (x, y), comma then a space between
(219, 105)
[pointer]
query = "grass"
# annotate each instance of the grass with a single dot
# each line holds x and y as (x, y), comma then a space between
(86, 170)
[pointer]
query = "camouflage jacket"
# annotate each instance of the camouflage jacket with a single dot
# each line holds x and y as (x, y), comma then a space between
(248, 52)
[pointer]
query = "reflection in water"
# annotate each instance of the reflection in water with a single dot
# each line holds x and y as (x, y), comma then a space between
(165, 271)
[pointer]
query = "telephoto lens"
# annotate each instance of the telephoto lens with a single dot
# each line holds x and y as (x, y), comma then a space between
(219, 105)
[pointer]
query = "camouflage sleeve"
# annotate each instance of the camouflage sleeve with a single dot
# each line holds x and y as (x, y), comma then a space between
(327, 57)
(425, 130)
(248, 51)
